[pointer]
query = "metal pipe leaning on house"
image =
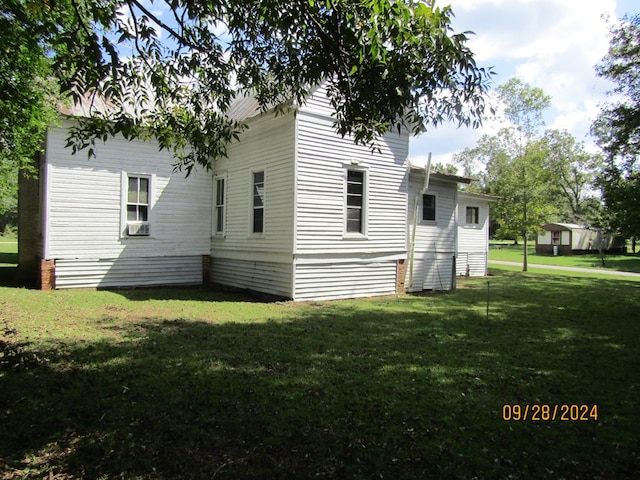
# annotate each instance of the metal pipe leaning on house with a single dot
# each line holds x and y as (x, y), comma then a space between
(416, 210)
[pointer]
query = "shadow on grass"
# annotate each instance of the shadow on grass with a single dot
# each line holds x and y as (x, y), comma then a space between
(8, 274)
(386, 388)
(9, 258)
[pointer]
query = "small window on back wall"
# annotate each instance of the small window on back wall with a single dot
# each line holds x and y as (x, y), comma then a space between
(258, 201)
(355, 201)
(473, 215)
(428, 207)
(138, 206)
(220, 210)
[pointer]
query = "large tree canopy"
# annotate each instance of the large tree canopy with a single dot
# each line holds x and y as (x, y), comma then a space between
(171, 68)
(573, 172)
(512, 163)
(26, 93)
(617, 128)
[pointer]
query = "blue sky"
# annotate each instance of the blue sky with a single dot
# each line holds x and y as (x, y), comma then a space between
(550, 44)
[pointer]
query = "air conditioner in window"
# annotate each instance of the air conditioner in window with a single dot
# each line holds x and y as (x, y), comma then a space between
(137, 229)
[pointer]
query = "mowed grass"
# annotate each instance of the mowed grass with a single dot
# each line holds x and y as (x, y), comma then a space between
(191, 383)
(8, 252)
(511, 253)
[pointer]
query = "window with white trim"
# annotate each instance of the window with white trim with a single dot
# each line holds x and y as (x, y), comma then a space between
(138, 206)
(258, 202)
(355, 201)
(473, 215)
(220, 205)
(429, 207)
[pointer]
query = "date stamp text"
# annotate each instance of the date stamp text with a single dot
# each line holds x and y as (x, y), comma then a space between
(549, 413)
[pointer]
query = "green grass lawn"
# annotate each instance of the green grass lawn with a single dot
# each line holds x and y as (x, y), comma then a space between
(8, 252)
(190, 383)
(509, 253)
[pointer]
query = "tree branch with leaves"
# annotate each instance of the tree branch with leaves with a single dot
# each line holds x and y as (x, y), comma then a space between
(171, 68)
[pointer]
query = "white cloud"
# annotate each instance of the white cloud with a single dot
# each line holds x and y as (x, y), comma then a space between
(550, 44)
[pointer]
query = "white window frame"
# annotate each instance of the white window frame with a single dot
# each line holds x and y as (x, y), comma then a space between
(252, 207)
(220, 207)
(124, 195)
(477, 222)
(422, 219)
(364, 223)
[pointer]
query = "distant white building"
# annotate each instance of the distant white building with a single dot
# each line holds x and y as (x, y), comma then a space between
(295, 211)
(571, 238)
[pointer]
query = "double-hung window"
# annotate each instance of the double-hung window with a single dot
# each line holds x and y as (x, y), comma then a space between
(258, 202)
(220, 205)
(355, 201)
(473, 216)
(429, 207)
(138, 205)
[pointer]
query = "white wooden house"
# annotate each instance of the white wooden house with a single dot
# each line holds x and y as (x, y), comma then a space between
(295, 210)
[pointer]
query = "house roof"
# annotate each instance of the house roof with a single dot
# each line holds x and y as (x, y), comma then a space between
(479, 196)
(85, 106)
(447, 177)
(242, 107)
(564, 226)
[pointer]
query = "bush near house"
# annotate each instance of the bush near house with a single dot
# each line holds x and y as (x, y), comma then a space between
(191, 383)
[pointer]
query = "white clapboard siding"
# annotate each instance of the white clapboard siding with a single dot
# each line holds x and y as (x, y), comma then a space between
(330, 263)
(318, 103)
(473, 240)
(437, 270)
(323, 159)
(240, 258)
(128, 272)
(267, 145)
(472, 264)
(262, 276)
(435, 242)
(325, 281)
(83, 210)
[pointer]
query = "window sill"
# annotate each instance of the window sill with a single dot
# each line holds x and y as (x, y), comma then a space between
(354, 236)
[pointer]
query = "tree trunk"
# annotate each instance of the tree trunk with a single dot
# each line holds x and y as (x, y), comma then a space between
(525, 258)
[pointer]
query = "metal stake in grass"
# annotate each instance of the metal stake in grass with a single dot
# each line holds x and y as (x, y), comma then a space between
(488, 283)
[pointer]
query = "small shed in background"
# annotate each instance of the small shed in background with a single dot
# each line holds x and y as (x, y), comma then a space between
(571, 239)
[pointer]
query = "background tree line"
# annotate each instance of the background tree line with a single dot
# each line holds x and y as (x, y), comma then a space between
(547, 175)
